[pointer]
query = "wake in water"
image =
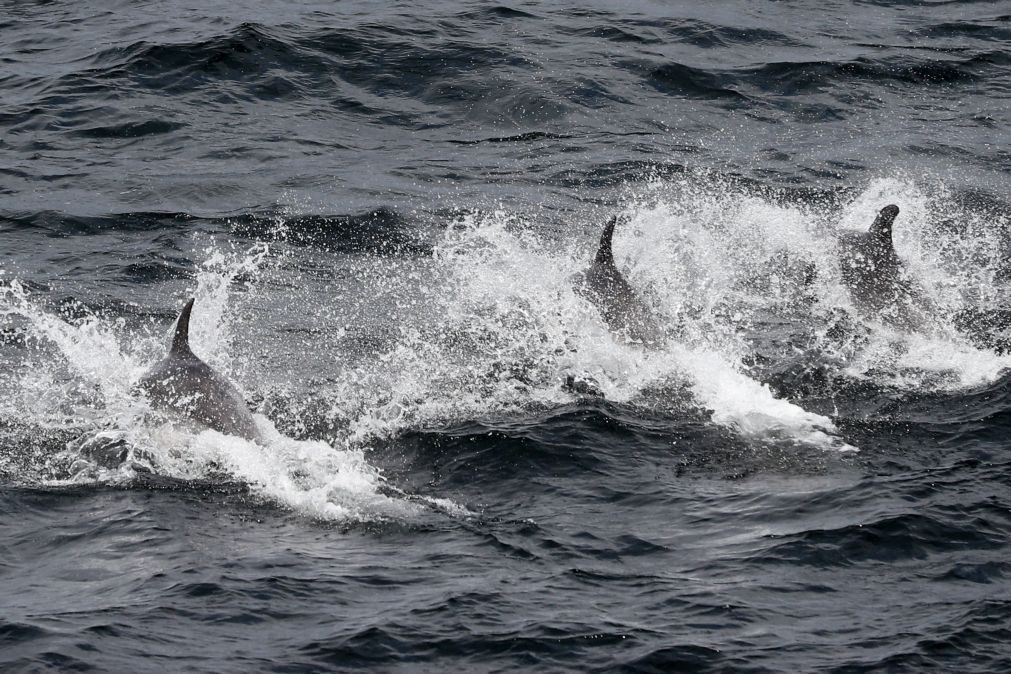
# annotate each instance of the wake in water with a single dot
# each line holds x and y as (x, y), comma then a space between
(746, 279)
(773, 267)
(89, 385)
(490, 326)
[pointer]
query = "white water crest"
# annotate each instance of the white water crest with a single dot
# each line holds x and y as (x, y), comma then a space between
(736, 253)
(369, 347)
(509, 328)
(722, 266)
(85, 373)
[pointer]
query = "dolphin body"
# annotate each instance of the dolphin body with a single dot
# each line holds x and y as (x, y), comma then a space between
(621, 308)
(876, 278)
(184, 384)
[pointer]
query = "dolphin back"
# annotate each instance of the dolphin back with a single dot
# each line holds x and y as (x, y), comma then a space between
(186, 385)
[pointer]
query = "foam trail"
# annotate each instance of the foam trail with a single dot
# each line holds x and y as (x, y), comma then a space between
(516, 328)
(310, 477)
(121, 436)
(749, 407)
(761, 259)
(490, 325)
(955, 255)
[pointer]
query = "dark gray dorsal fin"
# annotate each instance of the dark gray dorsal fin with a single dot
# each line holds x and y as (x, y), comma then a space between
(882, 227)
(604, 254)
(181, 338)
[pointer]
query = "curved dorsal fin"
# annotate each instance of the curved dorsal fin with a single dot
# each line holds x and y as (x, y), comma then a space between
(181, 338)
(882, 227)
(604, 254)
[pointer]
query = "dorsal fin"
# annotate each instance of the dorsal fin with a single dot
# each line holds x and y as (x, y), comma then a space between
(882, 227)
(604, 254)
(181, 338)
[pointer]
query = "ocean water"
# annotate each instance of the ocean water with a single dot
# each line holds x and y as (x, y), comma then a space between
(380, 209)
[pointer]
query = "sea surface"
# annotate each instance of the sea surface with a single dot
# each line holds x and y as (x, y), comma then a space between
(380, 209)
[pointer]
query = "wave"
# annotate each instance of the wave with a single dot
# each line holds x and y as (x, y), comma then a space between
(379, 231)
(682, 80)
(743, 86)
(889, 539)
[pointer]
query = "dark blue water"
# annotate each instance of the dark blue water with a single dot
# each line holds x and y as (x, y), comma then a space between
(380, 209)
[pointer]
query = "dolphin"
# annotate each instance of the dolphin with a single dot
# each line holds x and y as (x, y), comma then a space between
(622, 309)
(875, 276)
(184, 384)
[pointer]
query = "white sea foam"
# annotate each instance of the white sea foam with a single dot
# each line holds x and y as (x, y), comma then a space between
(312, 478)
(512, 304)
(490, 325)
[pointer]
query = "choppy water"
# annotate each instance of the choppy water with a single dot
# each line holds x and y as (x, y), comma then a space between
(380, 209)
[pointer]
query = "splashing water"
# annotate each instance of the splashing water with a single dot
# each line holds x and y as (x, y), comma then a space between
(510, 327)
(760, 260)
(725, 267)
(491, 326)
(118, 436)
